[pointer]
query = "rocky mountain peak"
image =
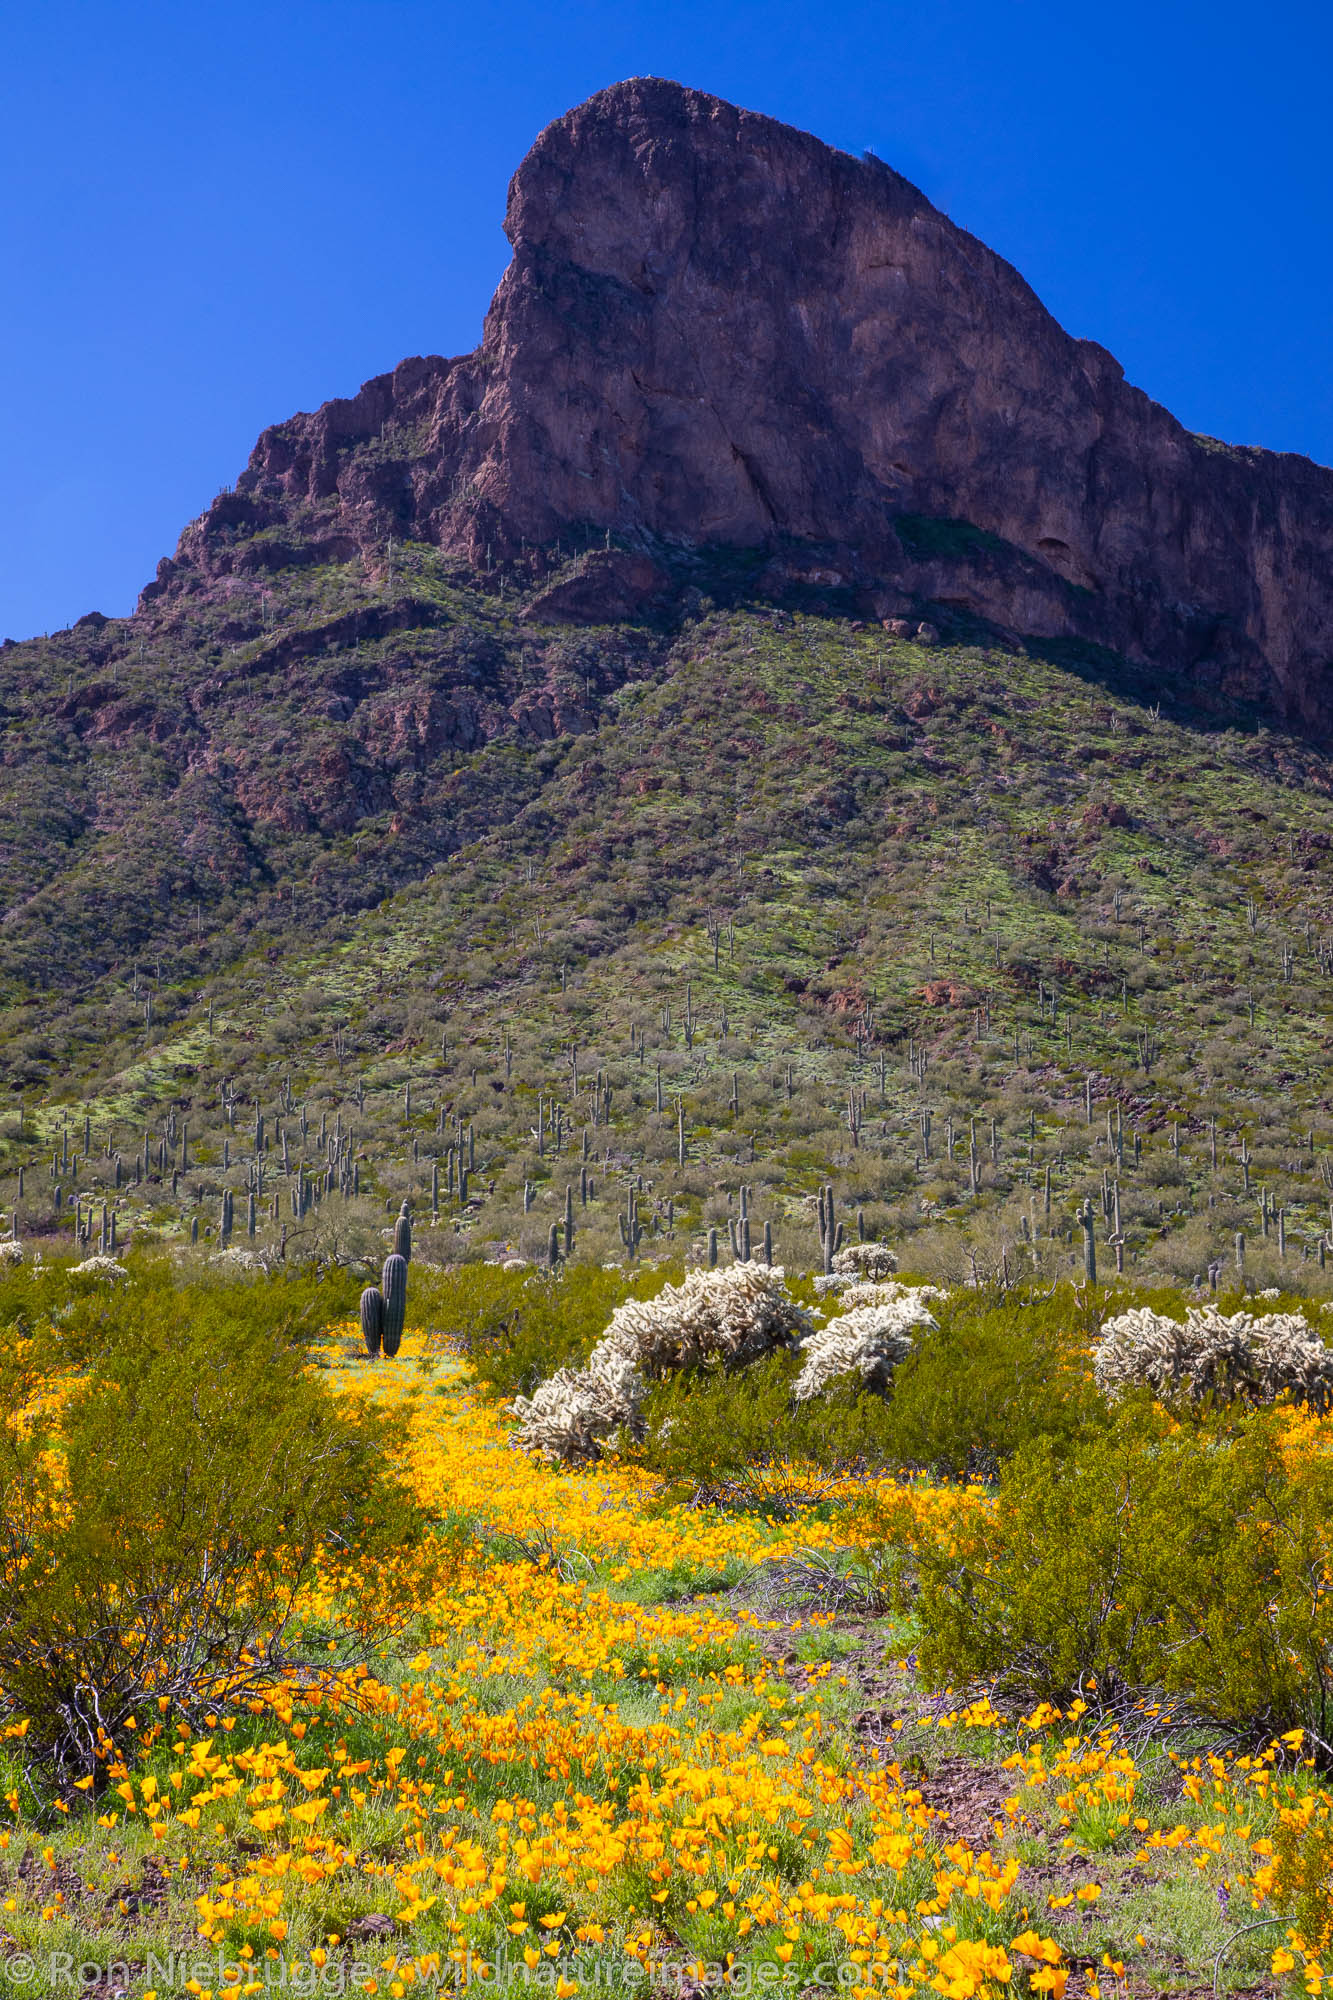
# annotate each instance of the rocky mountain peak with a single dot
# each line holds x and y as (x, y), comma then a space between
(717, 331)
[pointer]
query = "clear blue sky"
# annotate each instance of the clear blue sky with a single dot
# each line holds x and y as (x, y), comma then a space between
(216, 215)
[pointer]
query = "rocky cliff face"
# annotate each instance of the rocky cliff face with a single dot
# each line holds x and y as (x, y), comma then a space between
(716, 330)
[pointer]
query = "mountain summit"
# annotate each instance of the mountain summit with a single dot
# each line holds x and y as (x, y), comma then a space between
(718, 331)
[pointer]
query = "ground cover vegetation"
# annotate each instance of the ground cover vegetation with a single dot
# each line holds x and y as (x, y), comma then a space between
(663, 1315)
(985, 1670)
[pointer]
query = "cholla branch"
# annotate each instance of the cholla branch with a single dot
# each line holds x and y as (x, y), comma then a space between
(825, 1580)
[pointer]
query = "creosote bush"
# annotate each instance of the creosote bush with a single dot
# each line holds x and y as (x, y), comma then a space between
(706, 1433)
(519, 1326)
(1303, 1877)
(1185, 1568)
(172, 1478)
(996, 1372)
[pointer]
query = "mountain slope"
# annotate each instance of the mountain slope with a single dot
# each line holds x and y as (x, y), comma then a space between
(898, 887)
(690, 849)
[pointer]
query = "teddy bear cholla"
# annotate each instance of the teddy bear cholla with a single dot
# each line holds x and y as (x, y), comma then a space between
(870, 1336)
(1214, 1355)
(725, 1318)
(857, 1263)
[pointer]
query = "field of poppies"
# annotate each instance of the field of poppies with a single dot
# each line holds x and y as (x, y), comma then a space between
(606, 1732)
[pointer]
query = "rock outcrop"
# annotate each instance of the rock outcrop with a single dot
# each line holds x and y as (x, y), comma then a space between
(717, 330)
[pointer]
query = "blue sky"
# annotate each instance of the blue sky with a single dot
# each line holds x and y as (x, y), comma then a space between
(214, 216)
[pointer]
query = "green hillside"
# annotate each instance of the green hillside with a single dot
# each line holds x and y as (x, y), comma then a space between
(967, 929)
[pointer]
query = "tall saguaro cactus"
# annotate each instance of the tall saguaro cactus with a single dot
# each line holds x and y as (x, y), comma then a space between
(372, 1319)
(1089, 1243)
(631, 1228)
(830, 1230)
(393, 1284)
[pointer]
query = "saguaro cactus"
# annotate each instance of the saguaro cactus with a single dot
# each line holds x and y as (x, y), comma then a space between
(740, 1231)
(830, 1230)
(372, 1319)
(1089, 1243)
(402, 1234)
(393, 1284)
(631, 1229)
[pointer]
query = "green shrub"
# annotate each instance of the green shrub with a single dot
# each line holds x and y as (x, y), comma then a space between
(997, 1373)
(703, 1431)
(518, 1327)
(1303, 1875)
(162, 1512)
(1180, 1566)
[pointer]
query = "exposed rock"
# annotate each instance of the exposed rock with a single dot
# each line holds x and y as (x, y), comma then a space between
(717, 330)
(609, 585)
(1103, 814)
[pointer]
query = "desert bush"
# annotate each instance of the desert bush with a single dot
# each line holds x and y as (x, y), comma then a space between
(1214, 1357)
(1303, 1872)
(994, 1373)
(519, 1327)
(165, 1502)
(702, 1433)
(1181, 1567)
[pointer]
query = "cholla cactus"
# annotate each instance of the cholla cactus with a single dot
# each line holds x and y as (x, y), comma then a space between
(869, 1339)
(885, 1292)
(239, 1260)
(576, 1414)
(728, 1318)
(857, 1263)
(1214, 1355)
(106, 1268)
(865, 1260)
(11, 1251)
